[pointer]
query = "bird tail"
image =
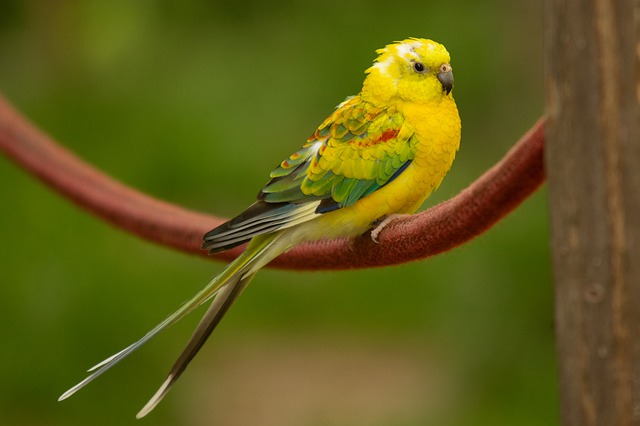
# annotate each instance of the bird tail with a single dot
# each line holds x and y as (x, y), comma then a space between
(226, 287)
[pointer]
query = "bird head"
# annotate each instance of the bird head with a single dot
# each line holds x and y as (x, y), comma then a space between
(413, 70)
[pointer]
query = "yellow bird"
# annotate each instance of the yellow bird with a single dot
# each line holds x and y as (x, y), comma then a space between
(381, 153)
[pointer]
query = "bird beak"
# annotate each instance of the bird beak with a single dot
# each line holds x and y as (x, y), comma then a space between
(446, 79)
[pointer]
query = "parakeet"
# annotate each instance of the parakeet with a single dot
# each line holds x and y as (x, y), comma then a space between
(381, 153)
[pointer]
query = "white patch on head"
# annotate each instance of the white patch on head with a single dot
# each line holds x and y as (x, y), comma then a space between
(383, 67)
(408, 50)
(404, 50)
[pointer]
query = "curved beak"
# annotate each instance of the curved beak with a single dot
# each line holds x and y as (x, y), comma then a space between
(446, 79)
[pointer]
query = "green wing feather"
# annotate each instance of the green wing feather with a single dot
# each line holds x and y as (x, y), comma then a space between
(357, 150)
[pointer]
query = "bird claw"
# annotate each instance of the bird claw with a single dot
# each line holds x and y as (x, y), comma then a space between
(380, 226)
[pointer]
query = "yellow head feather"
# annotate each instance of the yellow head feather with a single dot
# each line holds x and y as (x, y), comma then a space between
(395, 73)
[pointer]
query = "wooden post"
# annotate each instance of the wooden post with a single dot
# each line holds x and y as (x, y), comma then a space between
(592, 147)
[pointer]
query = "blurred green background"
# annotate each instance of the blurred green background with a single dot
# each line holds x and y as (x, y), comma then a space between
(195, 102)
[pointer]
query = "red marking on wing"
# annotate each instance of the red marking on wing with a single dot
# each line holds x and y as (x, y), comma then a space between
(384, 137)
(388, 134)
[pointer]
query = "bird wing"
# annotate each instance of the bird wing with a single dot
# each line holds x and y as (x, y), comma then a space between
(357, 150)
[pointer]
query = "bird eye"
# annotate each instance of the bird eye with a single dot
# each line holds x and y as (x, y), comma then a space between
(419, 67)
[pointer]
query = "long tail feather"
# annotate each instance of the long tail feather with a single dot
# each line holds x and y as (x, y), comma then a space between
(236, 270)
(210, 320)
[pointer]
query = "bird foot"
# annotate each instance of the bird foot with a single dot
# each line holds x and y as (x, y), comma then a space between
(380, 225)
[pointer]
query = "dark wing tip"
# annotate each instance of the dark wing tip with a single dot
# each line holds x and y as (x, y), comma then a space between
(232, 233)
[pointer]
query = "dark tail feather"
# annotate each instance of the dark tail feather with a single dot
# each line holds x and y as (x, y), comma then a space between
(225, 298)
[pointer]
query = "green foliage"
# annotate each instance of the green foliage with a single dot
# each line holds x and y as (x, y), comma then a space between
(167, 97)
